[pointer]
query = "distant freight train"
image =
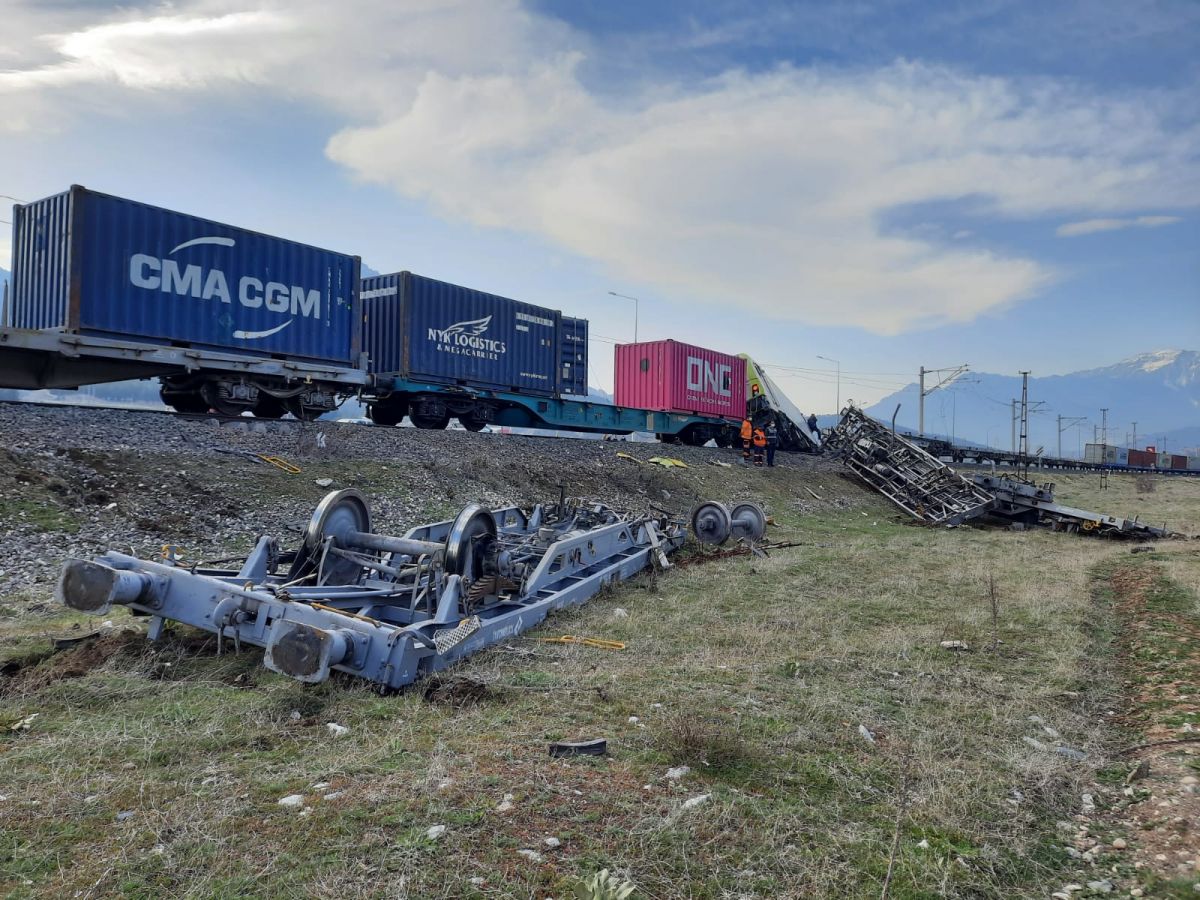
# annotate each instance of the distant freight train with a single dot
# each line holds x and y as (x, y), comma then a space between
(107, 289)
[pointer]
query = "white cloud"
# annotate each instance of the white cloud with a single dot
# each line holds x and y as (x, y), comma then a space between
(765, 191)
(1092, 226)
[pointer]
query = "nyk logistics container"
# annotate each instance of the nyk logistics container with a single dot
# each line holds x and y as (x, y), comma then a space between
(99, 265)
(668, 376)
(574, 356)
(421, 329)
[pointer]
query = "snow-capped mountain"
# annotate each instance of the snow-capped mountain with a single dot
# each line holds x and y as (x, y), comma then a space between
(1159, 390)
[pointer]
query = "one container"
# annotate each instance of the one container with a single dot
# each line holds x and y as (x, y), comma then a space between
(427, 330)
(1178, 461)
(1142, 459)
(668, 376)
(1093, 453)
(100, 265)
(574, 356)
(1193, 463)
(1163, 460)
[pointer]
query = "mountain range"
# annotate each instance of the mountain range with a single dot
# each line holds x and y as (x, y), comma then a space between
(1159, 391)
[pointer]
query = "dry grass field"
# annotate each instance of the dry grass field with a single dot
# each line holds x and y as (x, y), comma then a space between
(834, 748)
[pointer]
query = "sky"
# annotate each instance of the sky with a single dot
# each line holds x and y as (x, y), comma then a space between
(864, 187)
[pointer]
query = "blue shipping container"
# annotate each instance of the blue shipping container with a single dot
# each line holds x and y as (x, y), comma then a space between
(101, 265)
(421, 329)
(574, 356)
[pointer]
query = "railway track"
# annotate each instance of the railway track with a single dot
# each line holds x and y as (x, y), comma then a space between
(970, 457)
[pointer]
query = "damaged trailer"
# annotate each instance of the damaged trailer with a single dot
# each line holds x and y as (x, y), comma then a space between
(935, 494)
(384, 608)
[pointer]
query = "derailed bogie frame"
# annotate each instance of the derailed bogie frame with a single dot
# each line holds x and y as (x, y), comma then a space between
(388, 609)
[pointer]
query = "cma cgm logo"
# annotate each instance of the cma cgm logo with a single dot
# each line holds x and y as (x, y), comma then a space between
(709, 377)
(468, 339)
(167, 275)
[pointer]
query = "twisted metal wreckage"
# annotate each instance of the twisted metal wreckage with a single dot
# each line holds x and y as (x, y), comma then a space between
(392, 609)
(935, 494)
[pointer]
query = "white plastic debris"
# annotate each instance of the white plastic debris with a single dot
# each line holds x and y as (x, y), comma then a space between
(337, 730)
(435, 831)
(320, 785)
(693, 802)
(292, 800)
(867, 734)
(23, 724)
(923, 844)
(633, 720)
(323, 482)
(678, 772)
(960, 646)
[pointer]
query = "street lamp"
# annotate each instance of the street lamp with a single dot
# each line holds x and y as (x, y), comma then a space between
(839, 381)
(635, 312)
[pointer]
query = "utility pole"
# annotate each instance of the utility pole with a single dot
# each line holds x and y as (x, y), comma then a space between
(954, 373)
(1103, 436)
(1133, 443)
(839, 380)
(636, 304)
(1070, 422)
(1013, 423)
(1024, 416)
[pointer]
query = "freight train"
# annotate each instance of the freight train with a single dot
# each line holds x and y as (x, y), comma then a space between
(107, 289)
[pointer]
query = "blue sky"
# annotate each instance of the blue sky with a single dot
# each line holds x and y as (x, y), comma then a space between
(888, 184)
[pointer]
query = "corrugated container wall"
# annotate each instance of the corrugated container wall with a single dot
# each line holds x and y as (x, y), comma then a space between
(1142, 458)
(1194, 463)
(1093, 453)
(668, 376)
(1178, 461)
(422, 329)
(101, 265)
(574, 356)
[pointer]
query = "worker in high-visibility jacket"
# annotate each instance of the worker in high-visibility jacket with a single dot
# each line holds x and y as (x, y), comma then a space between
(760, 445)
(747, 436)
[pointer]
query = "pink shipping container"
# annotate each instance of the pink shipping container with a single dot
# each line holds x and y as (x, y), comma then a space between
(667, 376)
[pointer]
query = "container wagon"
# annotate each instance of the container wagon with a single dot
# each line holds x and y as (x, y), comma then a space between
(673, 377)
(437, 349)
(105, 289)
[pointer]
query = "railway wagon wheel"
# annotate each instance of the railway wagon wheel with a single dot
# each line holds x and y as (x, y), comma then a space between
(268, 407)
(387, 413)
(431, 423)
(471, 423)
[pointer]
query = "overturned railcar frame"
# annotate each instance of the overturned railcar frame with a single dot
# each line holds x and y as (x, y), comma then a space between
(935, 494)
(384, 608)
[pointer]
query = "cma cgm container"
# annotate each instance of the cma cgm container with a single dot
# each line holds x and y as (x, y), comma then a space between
(100, 265)
(668, 376)
(421, 329)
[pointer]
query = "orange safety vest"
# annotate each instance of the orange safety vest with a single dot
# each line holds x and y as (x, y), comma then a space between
(747, 429)
(760, 439)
